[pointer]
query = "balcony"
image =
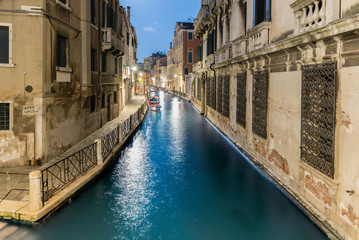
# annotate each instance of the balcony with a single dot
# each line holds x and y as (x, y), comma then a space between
(239, 46)
(113, 42)
(309, 15)
(258, 37)
(209, 60)
(202, 21)
(224, 53)
(198, 66)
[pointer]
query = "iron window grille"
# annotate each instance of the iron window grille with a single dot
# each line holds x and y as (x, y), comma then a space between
(199, 87)
(226, 96)
(219, 94)
(318, 116)
(260, 103)
(208, 92)
(93, 103)
(241, 98)
(4, 116)
(213, 93)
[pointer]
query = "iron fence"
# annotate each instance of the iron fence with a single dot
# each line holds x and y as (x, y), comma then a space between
(109, 141)
(60, 174)
(125, 127)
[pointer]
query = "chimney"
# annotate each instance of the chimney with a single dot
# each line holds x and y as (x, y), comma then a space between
(170, 45)
(129, 14)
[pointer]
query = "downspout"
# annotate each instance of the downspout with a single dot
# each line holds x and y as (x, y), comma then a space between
(214, 62)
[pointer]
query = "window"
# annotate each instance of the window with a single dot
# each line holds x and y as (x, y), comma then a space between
(241, 99)
(219, 94)
(261, 11)
(318, 116)
(190, 57)
(93, 59)
(103, 22)
(62, 50)
(199, 53)
(5, 48)
(132, 42)
(93, 12)
(260, 103)
(211, 43)
(128, 39)
(116, 65)
(102, 100)
(190, 36)
(93, 103)
(225, 107)
(4, 116)
(185, 71)
(109, 16)
(103, 58)
(63, 1)
(115, 97)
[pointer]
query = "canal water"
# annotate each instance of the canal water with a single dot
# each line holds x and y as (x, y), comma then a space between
(179, 179)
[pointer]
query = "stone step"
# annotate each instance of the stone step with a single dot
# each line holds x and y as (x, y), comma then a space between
(2, 225)
(18, 235)
(7, 231)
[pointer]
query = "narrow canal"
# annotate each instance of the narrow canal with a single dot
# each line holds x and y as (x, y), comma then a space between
(179, 179)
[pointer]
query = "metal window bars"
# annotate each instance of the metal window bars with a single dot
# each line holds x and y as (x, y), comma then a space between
(318, 116)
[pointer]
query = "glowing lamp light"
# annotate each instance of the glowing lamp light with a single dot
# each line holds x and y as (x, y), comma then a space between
(176, 75)
(141, 74)
(134, 68)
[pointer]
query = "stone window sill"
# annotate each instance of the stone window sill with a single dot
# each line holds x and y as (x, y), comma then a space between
(7, 65)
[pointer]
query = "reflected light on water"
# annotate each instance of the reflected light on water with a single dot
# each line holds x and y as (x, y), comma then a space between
(134, 189)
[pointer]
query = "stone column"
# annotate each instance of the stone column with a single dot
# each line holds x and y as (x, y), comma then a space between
(99, 151)
(35, 195)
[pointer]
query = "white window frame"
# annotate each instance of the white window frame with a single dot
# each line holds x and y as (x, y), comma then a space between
(10, 64)
(11, 115)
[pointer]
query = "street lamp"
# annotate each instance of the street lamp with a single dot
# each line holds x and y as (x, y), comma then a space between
(134, 68)
(176, 75)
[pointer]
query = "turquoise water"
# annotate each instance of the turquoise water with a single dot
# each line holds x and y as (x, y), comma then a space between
(179, 179)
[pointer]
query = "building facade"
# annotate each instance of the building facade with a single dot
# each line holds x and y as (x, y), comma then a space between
(279, 79)
(181, 56)
(161, 72)
(61, 71)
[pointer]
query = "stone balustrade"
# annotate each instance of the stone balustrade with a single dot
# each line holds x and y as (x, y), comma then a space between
(209, 61)
(258, 37)
(224, 53)
(309, 15)
(239, 46)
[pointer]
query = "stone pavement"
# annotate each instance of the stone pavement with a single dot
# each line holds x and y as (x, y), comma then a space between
(14, 181)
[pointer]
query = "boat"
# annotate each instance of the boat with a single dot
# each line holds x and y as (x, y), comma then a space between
(154, 103)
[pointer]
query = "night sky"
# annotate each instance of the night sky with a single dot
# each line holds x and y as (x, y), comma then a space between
(155, 21)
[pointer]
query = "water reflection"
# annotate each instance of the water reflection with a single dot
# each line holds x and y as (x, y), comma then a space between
(133, 181)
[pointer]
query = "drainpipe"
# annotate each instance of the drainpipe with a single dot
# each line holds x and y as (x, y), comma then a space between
(214, 62)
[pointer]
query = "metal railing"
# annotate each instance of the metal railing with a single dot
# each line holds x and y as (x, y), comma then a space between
(125, 127)
(109, 141)
(179, 93)
(60, 174)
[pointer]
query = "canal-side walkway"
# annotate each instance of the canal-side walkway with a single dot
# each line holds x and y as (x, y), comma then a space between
(32, 199)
